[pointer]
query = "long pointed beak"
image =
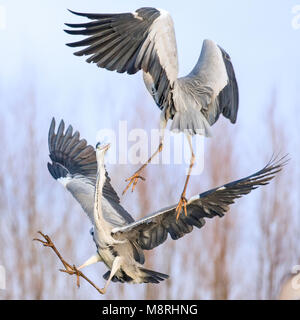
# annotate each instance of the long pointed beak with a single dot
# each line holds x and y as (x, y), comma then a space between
(103, 147)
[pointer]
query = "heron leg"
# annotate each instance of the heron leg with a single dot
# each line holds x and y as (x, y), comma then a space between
(133, 180)
(93, 259)
(183, 201)
(115, 267)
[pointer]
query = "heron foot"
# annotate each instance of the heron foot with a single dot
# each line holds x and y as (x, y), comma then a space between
(182, 203)
(133, 180)
(73, 270)
(47, 242)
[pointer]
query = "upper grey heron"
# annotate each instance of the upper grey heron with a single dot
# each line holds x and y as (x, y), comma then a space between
(145, 40)
(119, 239)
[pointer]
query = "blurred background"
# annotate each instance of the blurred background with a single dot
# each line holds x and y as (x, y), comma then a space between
(248, 254)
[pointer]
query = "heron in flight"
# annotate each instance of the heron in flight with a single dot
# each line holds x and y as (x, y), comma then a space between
(120, 241)
(145, 40)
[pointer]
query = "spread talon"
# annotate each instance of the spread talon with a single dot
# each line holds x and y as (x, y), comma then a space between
(133, 180)
(182, 203)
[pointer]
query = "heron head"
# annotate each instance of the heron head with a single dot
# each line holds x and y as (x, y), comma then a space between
(102, 147)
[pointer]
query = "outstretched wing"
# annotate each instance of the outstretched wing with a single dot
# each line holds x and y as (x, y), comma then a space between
(74, 164)
(129, 42)
(153, 230)
(214, 83)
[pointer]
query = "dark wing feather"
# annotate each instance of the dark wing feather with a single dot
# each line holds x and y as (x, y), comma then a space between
(153, 230)
(70, 153)
(213, 84)
(129, 42)
(73, 159)
(229, 96)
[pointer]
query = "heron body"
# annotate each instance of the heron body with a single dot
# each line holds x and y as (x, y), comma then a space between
(111, 250)
(121, 241)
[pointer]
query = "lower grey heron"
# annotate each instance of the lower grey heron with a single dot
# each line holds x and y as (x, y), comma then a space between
(119, 239)
(145, 40)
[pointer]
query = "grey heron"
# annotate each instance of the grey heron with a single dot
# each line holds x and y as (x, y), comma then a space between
(145, 40)
(120, 241)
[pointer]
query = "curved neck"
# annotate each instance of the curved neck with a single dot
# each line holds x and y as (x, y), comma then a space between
(100, 180)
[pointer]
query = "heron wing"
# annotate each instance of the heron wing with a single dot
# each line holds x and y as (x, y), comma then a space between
(129, 42)
(153, 230)
(214, 84)
(228, 98)
(74, 164)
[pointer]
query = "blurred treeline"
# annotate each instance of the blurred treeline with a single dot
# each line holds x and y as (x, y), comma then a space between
(244, 255)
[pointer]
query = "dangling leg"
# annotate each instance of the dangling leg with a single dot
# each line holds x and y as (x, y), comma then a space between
(133, 180)
(183, 201)
(93, 259)
(115, 267)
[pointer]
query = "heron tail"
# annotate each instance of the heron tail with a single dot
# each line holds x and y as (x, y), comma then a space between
(114, 278)
(191, 121)
(150, 276)
(145, 276)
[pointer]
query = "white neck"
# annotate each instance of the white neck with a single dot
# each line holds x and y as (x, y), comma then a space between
(102, 230)
(98, 188)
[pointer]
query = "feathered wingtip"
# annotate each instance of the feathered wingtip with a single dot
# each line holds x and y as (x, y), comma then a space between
(268, 172)
(51, 133)
(93, 16)
(83, 28)
(87, 15)
(70, 152)
(276, 163)
(88, 28)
